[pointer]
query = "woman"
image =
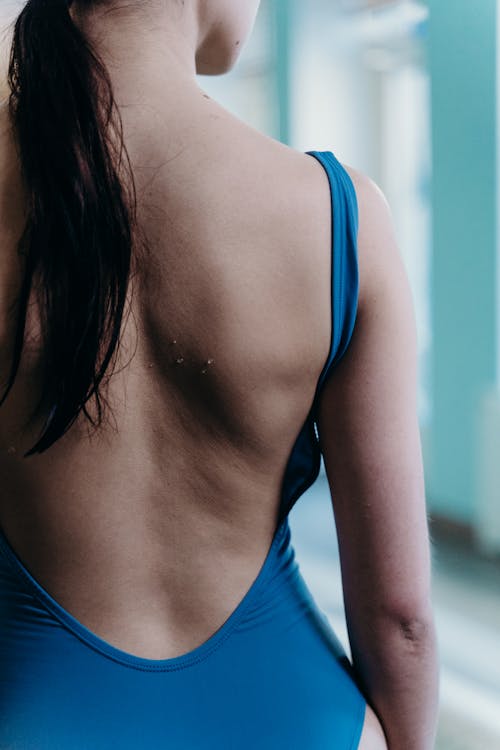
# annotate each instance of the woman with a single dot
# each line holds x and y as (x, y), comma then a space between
(194, 335)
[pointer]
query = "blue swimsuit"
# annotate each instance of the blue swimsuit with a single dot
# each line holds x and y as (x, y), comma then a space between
(273, 677)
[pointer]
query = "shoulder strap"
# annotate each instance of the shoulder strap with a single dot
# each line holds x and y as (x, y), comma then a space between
(305, 458)
(345, 276)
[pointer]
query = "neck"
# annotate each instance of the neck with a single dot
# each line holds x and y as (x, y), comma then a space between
(144, 51)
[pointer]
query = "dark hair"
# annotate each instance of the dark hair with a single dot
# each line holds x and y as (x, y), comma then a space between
(78, 238)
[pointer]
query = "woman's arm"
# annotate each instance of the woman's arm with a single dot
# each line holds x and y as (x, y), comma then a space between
(369, 434)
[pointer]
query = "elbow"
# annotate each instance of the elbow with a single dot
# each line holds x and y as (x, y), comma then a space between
(399, 624)
(415, 630)
(413, 627)
(412, 621)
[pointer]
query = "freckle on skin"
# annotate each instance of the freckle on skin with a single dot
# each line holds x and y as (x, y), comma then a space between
(237, 42)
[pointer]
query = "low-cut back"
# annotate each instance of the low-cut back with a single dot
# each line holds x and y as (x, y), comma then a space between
(274, 675)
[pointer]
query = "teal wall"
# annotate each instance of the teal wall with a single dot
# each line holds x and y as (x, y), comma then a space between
(462, 67)
(283, 23)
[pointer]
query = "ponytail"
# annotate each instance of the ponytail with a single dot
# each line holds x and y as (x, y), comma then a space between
(78, 238)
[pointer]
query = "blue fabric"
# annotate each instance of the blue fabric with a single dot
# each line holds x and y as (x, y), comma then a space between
(305, 459)
(274, 676)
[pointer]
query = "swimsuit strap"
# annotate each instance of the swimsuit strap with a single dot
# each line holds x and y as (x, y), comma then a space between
(344, 264)
(305, 459)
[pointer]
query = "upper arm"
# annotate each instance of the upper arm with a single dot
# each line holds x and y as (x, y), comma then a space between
(369, 433)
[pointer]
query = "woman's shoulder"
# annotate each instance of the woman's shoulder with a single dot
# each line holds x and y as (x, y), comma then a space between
(368, 192)
(373, 205)
(379, 254)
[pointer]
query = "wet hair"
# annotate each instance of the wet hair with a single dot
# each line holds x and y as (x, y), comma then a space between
(77, 243)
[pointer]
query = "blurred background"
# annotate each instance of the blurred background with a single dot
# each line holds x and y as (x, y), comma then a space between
(407, 91)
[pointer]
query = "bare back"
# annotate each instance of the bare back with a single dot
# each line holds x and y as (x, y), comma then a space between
(169, 509)
(152, 531)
